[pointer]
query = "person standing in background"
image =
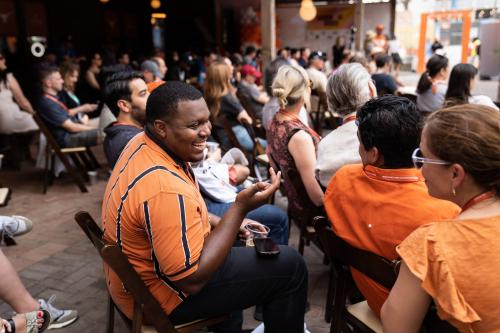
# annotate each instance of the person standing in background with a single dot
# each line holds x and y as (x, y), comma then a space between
(338, 51)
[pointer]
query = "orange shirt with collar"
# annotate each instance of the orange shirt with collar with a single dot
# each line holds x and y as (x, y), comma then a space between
(153, 209)
(375, 209)
(153, 85)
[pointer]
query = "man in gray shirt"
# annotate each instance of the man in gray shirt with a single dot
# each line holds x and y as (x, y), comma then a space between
(251, 92)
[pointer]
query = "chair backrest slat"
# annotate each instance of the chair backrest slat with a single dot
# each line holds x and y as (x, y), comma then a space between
(376, 267)
(46, 132)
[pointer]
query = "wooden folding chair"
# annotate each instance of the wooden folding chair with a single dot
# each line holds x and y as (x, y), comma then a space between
(342, 256)
(359, 316)
(257, 122)
(146, 307)
(77, 155)
(320, 114)
(258, 153)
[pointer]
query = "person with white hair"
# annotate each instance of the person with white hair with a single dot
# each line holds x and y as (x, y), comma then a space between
(347, 90)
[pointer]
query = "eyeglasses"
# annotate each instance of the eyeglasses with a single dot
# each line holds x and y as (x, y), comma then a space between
(419, 160)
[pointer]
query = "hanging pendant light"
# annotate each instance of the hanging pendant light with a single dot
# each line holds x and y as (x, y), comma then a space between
(155, 4)
(307, 10)
(104, 1)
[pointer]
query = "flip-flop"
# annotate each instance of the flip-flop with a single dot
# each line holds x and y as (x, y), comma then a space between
(31, 324)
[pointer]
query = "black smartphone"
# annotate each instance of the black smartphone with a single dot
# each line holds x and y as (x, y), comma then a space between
(266, 246)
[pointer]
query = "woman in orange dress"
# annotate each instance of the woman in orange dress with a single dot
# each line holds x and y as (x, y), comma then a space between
(455, 263)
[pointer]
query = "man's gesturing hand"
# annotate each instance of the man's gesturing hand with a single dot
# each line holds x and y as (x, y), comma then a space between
(259, 193)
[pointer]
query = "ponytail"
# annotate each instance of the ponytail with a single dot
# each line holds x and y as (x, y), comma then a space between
(424, 83)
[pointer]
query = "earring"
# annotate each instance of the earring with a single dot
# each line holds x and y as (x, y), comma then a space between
(453, 192)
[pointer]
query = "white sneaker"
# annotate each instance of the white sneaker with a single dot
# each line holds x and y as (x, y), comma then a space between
(15, 225)
(58, 318)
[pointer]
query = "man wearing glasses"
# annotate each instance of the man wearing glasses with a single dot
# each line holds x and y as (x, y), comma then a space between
(377, 204)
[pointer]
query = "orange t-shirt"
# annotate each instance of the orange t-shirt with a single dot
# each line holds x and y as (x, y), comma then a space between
(153, 209)
(153, 85)
(458, 262)
(376, 209)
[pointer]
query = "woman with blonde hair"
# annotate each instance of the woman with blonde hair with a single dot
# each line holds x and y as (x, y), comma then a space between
(455, 263)
(291, 143)
(222, 102)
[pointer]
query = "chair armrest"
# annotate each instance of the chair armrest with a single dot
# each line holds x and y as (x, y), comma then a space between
(73, 150)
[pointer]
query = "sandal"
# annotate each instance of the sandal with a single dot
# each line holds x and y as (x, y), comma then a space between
(31, 324)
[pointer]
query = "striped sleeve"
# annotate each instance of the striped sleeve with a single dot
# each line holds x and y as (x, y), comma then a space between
(175, 230)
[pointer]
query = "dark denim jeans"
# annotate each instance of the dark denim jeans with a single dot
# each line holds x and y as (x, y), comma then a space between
(245, 279)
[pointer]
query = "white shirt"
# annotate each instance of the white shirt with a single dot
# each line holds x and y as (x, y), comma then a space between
(482, 100)
(335, 150)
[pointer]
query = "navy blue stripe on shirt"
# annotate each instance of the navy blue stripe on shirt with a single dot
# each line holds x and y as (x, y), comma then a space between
(160, 275)
(185, 245)
(122, 169)
(129, 188)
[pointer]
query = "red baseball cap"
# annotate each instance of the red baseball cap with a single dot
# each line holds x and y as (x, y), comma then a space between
(250, 70)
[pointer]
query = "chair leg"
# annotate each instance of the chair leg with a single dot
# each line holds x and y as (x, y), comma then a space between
(87, 164)
(46, 172)
(110, 324)
(137, 319)
(339, 304)
(301, 242)
(92, 158)
(77, 178)
(76, 158)
(329, 296)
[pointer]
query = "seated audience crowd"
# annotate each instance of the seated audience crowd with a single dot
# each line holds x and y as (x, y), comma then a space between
(182, 135)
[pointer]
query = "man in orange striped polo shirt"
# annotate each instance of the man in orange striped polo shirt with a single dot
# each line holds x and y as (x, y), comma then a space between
(154, 211)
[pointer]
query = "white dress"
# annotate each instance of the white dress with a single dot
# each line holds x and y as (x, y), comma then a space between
(12, 118)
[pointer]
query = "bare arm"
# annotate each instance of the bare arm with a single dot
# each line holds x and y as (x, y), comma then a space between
(263, 98)
(73, 127)
(84, 108)
(218, 244)
(23, 102)
(407, 304)
(90, 77)
(302, 149)
(243, 116)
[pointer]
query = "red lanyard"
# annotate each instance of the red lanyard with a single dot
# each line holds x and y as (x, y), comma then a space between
(348, 119)
(478, 198)
(55, 100)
